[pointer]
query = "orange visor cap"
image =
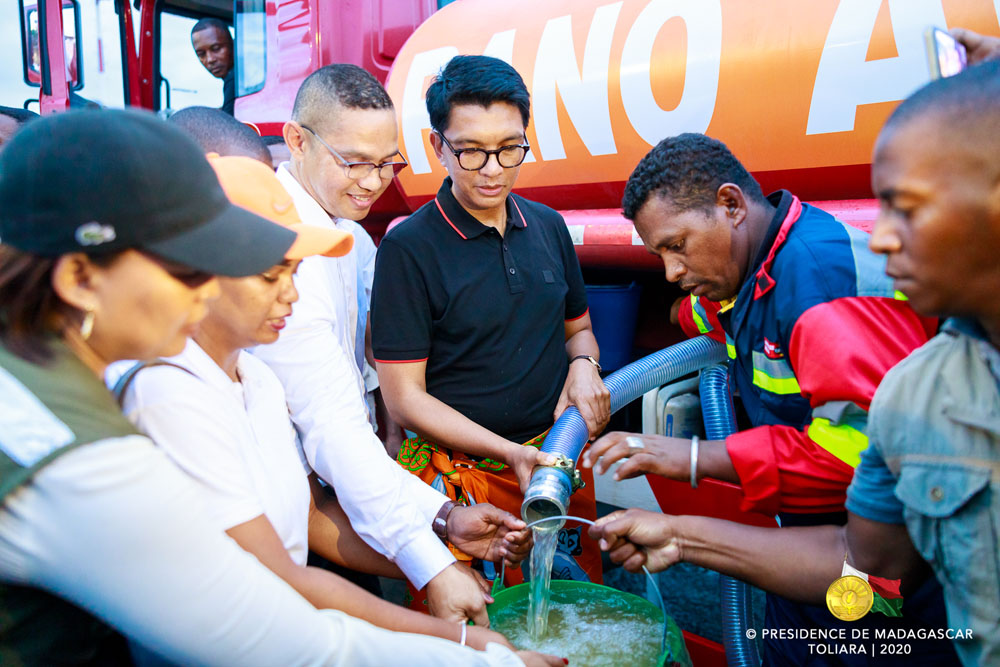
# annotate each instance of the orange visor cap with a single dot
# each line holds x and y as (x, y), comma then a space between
(252, 185)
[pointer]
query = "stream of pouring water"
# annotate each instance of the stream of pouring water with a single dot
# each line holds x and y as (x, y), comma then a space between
(542, 555)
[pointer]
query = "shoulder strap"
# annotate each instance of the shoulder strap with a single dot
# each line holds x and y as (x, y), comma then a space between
(126, 379)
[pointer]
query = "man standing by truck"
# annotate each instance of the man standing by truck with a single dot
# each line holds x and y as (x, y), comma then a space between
(479, 316)
(342, 138)
(812, 324)
(213, 45)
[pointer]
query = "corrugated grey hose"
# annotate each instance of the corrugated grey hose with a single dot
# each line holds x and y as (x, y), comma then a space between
(737, 607)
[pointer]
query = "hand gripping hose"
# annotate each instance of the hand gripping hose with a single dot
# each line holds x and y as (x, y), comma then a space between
(550, 487)
(718, 415)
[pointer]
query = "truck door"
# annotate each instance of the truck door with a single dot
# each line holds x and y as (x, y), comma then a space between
(51, 56)
(71, 53)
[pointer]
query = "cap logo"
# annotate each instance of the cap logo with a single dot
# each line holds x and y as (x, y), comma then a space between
(94, 233)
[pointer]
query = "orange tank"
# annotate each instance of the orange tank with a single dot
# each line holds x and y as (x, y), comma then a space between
(798, 90)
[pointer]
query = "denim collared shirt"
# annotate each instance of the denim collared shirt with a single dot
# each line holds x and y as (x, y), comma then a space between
(934, 463)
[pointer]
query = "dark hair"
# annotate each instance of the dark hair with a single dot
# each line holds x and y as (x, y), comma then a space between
(30, 309)
(20, 115)
(973, 94)
(210, 22)
(272, 139)
(342, 84)
(688, 170)
(218, 132)
(478, 80)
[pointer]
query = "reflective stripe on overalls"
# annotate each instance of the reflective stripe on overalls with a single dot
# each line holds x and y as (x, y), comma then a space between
(774, 375)
(840, 428)
(699, 315)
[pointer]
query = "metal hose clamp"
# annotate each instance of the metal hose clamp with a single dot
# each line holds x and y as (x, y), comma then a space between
(568, 466)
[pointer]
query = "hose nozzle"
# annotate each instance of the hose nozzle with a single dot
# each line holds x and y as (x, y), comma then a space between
(547, 495)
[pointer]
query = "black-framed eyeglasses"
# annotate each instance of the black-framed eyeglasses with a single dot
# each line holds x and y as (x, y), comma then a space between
(474, 159)
(359, 170)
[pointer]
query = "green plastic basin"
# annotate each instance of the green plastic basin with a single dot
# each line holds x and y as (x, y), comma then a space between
(674, 651)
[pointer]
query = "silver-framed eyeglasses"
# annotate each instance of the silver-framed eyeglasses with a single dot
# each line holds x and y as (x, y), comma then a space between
(359, 170)
(474, 159)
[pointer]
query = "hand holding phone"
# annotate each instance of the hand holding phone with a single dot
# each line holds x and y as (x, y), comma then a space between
(980, 48)
(946, 56)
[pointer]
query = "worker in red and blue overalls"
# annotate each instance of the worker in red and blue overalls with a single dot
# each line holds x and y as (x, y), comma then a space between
(811, 323)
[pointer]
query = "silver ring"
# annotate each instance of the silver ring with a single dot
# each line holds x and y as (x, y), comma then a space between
(634, 443)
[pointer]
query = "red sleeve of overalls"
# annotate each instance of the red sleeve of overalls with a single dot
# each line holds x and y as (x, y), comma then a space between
(840, 350)
(699, 317)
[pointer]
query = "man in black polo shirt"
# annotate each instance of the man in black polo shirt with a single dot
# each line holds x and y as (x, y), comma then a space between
(479, 316)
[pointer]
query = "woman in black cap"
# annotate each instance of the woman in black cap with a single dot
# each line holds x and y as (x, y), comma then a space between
(114, 258)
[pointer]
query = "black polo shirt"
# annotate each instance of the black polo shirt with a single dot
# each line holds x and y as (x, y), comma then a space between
(487, 312)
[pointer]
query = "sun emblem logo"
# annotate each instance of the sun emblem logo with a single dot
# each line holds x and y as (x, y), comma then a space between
(849, 598)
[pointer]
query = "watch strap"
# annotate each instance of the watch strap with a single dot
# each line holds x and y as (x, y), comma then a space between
(440, 523)
(588, 358)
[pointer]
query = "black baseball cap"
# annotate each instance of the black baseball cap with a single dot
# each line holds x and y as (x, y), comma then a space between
(109, 180)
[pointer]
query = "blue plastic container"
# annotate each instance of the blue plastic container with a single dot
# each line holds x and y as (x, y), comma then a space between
(613, 312)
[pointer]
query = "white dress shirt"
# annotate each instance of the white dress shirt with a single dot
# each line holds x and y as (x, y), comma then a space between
(234, 438)
(339, 274)
(389, 508)
(364, 250)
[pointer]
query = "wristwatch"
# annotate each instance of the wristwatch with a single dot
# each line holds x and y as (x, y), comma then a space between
(440, 523)
(588, 358)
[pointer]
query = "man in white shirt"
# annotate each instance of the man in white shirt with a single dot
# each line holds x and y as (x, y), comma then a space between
(343, 142)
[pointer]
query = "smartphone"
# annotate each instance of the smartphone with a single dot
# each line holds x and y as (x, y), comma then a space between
(945, 55)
